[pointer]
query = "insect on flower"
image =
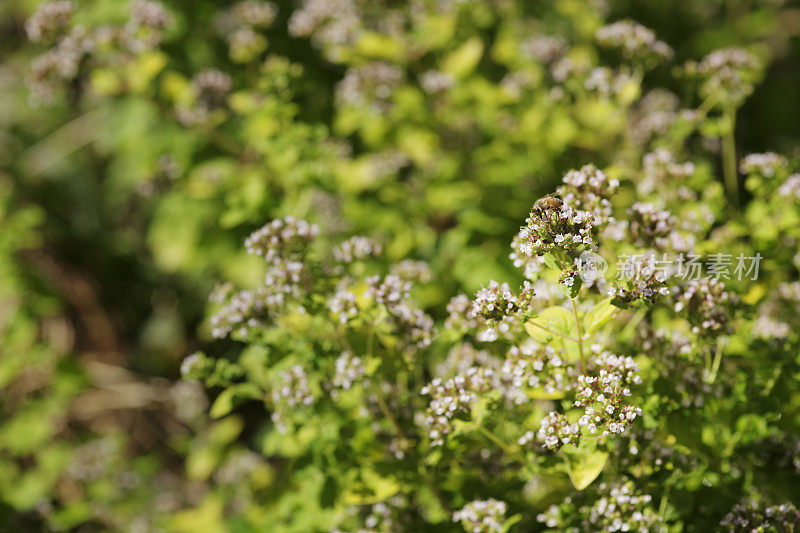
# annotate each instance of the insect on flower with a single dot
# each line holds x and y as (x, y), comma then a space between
(547, 204)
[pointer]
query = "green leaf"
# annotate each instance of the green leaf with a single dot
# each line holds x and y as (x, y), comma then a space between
(231, 397)
(571, 291)
(371, 487)
(583, 467)
(463, 60)
(554, 318)
(598, 315)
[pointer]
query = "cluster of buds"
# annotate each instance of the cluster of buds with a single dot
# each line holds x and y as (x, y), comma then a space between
(292, 392)
(621, 509)
(453, 399)
(649, 226)
(602, 395)
(727, 74)
(589, 189)
(635, 41)
(768, 164)
(369, 86)
(554, 228)
(482, 516)
(645, 286)
(783, 517)
(210, 88)
(356, 248)
(705, 304)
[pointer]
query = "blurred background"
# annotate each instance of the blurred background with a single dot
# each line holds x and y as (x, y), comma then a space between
(137, 154)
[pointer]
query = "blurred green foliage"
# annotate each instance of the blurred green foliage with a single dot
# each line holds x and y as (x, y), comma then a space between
(134, 164)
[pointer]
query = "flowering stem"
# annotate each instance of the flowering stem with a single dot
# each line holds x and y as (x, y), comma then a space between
(505, 447)
(729, 156)
(580, 336)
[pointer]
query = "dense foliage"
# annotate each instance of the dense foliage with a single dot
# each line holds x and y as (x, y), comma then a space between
(499, 266)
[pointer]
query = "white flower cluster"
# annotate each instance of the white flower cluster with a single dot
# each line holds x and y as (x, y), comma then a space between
(482, 516)
(49, 20)
(650, 226)
(210, 88)
(653, 115)
(327, 22)
(589, 189)
(149, 19)
(603, 396)
(660, 169)
(728, 74)
(254, 13)
(767, 164)
(622, 509)
(389, 291)
(370, 85)
(555, 231)
(343, 303)
(247, 310)
(433, 81)
(536, 367)
(411, 270)
(544, 48)
(453, 398)
(791, 187)
(60, 64)
(392, 292)
(459, 313)
(706, 304)
(292, 392)
(634, 40)
(349, 369)
(606, 82)
(356, 248)
(238, 467)
(498, 306)
(644, 284)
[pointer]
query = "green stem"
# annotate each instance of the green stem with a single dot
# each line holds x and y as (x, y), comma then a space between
(729, 156)
(580, 336)
(505, 447)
